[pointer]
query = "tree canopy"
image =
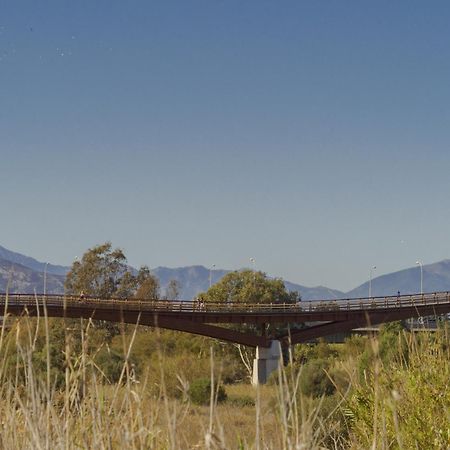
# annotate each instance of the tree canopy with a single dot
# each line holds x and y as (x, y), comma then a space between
(147, 285)
(247, 286)
(103, 272)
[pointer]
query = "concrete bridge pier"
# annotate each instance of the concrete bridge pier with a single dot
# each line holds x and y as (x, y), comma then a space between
(267, 360)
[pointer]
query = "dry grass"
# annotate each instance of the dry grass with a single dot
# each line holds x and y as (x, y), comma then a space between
(85, 411)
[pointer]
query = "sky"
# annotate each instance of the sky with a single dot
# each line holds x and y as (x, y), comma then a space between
(312, 136)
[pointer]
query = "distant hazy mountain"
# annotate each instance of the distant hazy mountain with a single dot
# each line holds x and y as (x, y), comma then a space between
(26, 275)
(195, 279)
(192, 279)
(18, 278)
(31, 263)
(436, 277)
(314, 293)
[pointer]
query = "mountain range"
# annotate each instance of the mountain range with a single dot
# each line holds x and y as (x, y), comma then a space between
(21, 273)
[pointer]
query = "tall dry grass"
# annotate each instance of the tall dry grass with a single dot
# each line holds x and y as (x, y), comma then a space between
(403, 404)
(39, 410)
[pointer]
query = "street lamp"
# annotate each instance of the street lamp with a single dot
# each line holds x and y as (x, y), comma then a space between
(370, 280)
(253, 261)
(45, 278)
(419, 263)
(210, 274)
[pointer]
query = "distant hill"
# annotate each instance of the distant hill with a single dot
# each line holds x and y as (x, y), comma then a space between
(31, 263)
(26, 275)
(314, 293)
(195, 279)
(436, 277)
(192, 279)
(18, 278)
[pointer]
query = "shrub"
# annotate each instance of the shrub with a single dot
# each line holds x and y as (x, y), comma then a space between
(242, 401)
(404, 404)
(314, 380)
(200, 392)
(111, 363)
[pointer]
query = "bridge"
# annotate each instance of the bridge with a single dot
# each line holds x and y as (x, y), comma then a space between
(303, 321)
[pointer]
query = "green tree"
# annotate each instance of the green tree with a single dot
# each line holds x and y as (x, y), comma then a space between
(247, 286)
(148, 285)
(102, 272)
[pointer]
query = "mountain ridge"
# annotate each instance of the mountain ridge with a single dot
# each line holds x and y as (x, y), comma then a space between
(21, 273)
(31, 263)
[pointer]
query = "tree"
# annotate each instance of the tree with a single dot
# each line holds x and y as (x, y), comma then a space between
(247, 286)
(148, 285)
(103, 272)
(173, 290)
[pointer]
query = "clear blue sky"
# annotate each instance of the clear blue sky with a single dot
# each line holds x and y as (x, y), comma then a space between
(312, 135)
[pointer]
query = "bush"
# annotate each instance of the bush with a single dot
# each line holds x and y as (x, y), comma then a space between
(404, 404)
(111, 363)
(314, 380)
(242, 401)
(200, 392)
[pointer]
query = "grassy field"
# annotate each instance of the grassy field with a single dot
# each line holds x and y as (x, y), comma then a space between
(58, 390)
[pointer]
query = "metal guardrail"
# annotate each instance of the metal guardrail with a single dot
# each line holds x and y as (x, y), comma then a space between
(59, 301)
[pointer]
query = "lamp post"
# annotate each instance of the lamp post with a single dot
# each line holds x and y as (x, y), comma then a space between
(419, 263)
(253, 261)
(370, 280)
(45, 278)
(210, 275)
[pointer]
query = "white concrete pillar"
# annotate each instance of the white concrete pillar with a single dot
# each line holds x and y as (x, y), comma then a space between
(267, 360)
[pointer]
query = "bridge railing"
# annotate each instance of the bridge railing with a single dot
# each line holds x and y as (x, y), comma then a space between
(58, 301)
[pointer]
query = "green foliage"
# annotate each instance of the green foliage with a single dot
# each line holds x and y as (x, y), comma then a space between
(200, 392)
(394, 327)
(148, 285)
(354, 346)
(180, 356)
(250, 287)
(241, 401)
(390, 346)
(405, 404)
(247, 286)
(103, 273)
(314, 380)
(322, 350)
(111, 363)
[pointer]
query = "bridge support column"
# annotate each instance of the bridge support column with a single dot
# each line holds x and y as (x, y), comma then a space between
(267, 360)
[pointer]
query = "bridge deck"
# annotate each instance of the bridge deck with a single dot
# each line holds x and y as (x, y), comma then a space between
(435, 298)
(193, 317)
